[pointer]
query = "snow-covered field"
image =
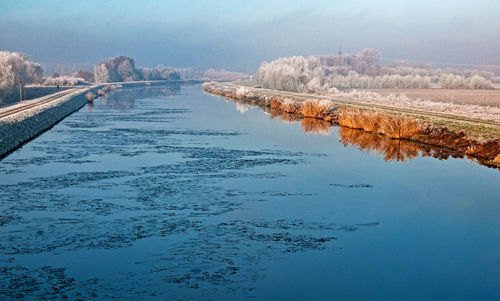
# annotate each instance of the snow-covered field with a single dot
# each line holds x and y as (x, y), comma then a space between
(401, 100)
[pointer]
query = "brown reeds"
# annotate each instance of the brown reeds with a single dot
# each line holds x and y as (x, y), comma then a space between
(350, 118)
(438, 142)
(275, 103)
(370, 122)
(395, 127)
(290, 106)
(399, 127)
(314, 109)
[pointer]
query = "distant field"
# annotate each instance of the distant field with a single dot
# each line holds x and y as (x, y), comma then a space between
(459, 96)
(478, 97)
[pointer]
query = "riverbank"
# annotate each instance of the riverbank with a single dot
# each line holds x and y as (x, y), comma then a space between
(474, 138)
(26, 124)
(31, 92)
(21, 127)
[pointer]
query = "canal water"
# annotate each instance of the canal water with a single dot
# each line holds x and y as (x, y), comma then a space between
(170, 193)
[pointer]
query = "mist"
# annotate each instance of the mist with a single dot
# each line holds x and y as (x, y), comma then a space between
(238, 37)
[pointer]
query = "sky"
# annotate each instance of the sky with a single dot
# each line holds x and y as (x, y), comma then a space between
(239, 35)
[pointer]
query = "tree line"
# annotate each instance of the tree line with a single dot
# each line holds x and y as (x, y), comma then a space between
(320, 74)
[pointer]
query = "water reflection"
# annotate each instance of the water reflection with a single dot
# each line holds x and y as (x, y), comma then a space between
(284, 116)
(243, 107)
(123, 100)
(316, 126)
(159, 203)
(390, 149)
(309, 125)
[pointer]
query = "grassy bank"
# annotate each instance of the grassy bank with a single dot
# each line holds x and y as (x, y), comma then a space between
(466, 136)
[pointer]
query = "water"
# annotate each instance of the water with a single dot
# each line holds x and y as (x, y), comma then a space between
(166, 192)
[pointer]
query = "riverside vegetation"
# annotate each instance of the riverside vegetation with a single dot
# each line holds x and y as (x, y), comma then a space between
(459, 136)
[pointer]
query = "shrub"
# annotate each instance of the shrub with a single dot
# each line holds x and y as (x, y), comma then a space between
(370, 122)
(399, 127)
(350, 118)
(275, 103)
(313, 108)
(89, 96)
(290, 106)
(242, 92)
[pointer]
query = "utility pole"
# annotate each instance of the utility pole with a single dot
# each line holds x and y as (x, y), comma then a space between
(21, 91)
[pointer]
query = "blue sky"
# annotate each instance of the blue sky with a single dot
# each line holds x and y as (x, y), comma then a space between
(238, 35)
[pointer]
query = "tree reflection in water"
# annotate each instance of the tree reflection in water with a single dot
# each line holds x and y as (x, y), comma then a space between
(123, 100)
(390, 149)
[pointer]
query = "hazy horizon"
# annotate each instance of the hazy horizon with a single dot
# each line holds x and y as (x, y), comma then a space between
(239, 37)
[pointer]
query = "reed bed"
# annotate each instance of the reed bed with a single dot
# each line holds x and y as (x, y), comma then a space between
(315, 108)
(392, 125)
(395, 127)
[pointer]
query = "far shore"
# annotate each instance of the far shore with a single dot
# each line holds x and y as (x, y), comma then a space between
(22, 121)
(34, 91)
(469, 136)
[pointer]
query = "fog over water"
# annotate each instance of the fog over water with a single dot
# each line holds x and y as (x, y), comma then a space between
(221, 34)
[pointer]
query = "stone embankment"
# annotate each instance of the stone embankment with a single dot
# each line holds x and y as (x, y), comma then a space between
(22, 122)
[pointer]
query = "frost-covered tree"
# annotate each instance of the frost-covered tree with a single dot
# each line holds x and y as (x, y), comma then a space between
(122, 69)
(84, 74)
(101, 74)
(15, 67)
(317, 74)
(160, 73)
(291, 74)
(126, 70)
(119, 69)
(479, 82)
(169, 73)
(210, 74)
